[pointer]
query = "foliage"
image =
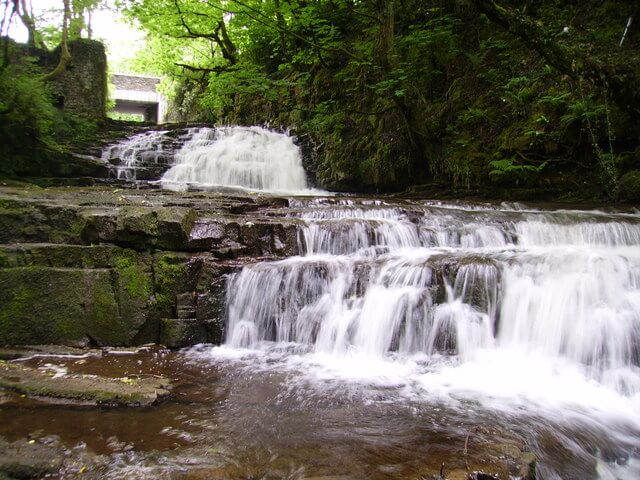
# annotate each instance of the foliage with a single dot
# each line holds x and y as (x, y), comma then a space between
(31, 127)
(26, 108)
(510, 167)
(395, 93)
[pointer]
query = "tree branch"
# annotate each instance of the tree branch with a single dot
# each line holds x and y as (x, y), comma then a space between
(191, 33)
(218, 70)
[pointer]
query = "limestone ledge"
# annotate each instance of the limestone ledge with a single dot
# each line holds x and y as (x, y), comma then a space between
(109, 266)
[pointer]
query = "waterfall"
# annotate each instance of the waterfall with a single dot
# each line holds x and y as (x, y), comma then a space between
(477, 290)
(244, 157)
(138, 152)
(251, 158)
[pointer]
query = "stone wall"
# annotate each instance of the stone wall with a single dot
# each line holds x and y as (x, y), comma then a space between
(82, 87)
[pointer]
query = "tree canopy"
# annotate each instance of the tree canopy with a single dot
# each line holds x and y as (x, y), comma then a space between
(396, 93)
(405, 91)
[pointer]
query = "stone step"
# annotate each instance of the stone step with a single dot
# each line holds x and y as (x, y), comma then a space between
(182, 332)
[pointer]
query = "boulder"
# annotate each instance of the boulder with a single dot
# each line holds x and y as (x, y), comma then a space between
(146, 227)
(74, 306)
(182, 332)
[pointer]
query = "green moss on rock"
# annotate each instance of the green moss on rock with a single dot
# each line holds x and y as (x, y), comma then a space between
(133, 277)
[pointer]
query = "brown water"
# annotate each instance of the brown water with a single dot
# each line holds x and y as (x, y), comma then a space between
(227, 419)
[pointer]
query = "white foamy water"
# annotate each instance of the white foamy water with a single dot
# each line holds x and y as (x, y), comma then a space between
(529, 313)
(251, 158)
(140, 149)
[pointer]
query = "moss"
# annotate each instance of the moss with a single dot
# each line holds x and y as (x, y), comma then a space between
(104, 322)
(41, 305)
(72, 306)
(179, 333)
(81, 388)
(133, 277)
(17, 307)
(170, 272)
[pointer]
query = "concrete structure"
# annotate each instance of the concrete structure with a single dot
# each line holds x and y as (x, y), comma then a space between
(137, 94)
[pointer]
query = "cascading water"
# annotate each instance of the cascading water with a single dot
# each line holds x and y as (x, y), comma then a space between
(140, 151)
(504, 307)
(245, 157)
(251, 158)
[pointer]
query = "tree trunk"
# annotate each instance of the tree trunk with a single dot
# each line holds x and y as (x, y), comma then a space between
(7, 18)
(65, 55)
(26, 15)
(226, 45)
(282, 27)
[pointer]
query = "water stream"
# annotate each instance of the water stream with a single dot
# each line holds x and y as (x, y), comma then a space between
(521, 312)
(252, 158)
(248, 158)
(401, 326)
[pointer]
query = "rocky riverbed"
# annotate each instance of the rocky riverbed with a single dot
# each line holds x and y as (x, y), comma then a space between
(107, 266)
(129, 291)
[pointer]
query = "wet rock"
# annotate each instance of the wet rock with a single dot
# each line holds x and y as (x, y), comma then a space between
(144, 227)
(258, 237)
(230, 249)
(182, 332)
(74, 306)
(487, 453)
(58, 255)
(29, 459)
(173, 274)
(206, 233)
(186, 305)
(82, 389)
(29, 350)
(210, 310)
(99, 227)
(285, 239)
(28, 222)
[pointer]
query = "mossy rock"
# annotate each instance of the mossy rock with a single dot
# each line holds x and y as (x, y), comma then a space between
(182, 332)
(58, 255)
(38, 223)
(628, 189)
(171, 277)
(144, 227)
(83, 389)
(45, 305)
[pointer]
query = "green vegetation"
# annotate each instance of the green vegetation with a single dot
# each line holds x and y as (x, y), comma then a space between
(397, 93)
(32, 128)
(134, 279)
(469, 95)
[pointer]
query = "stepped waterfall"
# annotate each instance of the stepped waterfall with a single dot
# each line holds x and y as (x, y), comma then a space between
(248, 158)
(519, 311)
(471, 312)
(379, 280)
(245, 157)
